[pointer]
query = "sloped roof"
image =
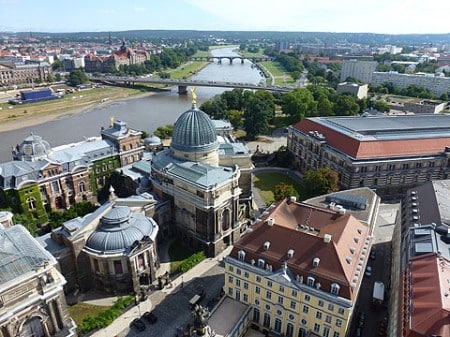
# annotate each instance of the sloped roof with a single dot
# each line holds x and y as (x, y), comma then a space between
(430, 295)
(303, 228)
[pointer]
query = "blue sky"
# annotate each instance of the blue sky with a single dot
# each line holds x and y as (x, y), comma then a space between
(374, 16)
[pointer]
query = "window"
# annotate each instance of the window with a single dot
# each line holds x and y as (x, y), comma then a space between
(230, 291)
(96, 266)
(280, 299)
(237, 295)
(281, 289)
(338, 322)
(289, 330)
(267, 307)
(418, 165)
(310, 281)
(266, 321)
(341, 311)
(245, 298)
(258, 279)
(326, 331)
(269, 284)
(328, 318)
(118, 270)
(230, 268)
(405, 166)
(256, 315)
(431, 164)
(318, 315)
(277, 326)
(307, 298)
(305, 309)
(256, 301)
(320, 303)
(330, 307)
(31, 201)
(335, 288)
(245, 285)
(261, 263)
(230, 279)
(246, 275)
(238, 282)
(268, 294)
(293, 304)
(238, 271)
(257, 290)
(294, 293)
(279, 312)
(316, 327)
(336, 334)
(241, 255)
(82, 186)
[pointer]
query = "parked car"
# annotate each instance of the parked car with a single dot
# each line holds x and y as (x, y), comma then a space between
(150, 317)
(361, 319)
(368, 272)
(373, 254)
(138, 324)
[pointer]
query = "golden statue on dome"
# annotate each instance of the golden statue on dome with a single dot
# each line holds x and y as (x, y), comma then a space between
(194, 97)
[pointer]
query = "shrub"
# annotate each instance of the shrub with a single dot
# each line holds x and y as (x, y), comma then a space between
(191, 262)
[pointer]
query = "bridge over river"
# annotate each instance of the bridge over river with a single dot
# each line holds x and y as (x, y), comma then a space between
(184, 83)
(230, 58)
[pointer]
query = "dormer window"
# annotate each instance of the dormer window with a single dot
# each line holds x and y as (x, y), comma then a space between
(266, 245)
(290, 253)
(261, 263)
(335, 288)
(310, 281)
(241, 255)
(316, 262)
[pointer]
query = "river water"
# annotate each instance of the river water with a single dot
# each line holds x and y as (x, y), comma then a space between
(144, 113)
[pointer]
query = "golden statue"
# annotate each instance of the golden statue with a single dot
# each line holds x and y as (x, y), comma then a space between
(111, 121)
(194, 96)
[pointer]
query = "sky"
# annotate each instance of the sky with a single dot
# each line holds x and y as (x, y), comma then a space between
(355, 16)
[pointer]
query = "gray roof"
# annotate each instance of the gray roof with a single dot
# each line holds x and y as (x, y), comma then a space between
(118, 130)
(33, 147)
(389, 127)
(233, 149)
(13, 173)
(194, 172)
(20, 253)
(194, 132)
(119, 229)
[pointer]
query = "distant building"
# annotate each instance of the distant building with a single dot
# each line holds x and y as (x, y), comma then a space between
(361, 70)
(300, 268)
(32, 301)
(438, 85)
(358, 90)
(15, 74)
(424, 107)
(386, 153)
(123, 56)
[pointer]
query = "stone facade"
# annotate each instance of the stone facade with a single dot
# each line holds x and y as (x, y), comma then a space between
(14, 74)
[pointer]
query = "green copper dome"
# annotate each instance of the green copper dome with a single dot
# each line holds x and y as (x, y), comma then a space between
(194, 132)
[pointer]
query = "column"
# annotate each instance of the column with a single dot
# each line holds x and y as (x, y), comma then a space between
(53, 315)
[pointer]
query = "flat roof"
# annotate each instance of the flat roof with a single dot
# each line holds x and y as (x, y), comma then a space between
(226, 316)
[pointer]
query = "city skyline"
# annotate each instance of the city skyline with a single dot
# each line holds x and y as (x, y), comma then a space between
(381, 16)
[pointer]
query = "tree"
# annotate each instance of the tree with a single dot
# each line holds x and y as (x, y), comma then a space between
(320, 181)
(57, 77)
(298, 103)
(381, 106)
(77, 77)
(346, 106)
(256, 116)
(235, 118)
(283, 191)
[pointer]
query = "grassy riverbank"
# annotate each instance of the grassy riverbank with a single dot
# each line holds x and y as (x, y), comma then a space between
(188, 69)
(29, 114)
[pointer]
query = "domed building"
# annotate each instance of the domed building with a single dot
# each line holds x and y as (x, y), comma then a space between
(207, 183)
(32, 148)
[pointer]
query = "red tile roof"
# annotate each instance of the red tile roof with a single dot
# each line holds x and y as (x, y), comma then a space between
(430, 296)
(339, 259)
(361, 149)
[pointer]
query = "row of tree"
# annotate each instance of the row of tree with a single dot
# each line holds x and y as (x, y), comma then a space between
(412, 91)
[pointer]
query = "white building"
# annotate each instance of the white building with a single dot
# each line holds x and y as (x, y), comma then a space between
(361, 70)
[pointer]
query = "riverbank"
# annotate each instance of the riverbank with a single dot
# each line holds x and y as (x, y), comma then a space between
(13, 117)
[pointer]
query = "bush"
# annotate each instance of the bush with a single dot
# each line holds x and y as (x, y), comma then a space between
(106, 317)
(191, 262)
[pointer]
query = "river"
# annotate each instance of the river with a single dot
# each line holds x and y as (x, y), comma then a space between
(144, 113)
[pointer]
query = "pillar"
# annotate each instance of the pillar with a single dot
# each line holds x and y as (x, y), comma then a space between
(53, 316)
(182, 89)
(242, 60)
(231, 60)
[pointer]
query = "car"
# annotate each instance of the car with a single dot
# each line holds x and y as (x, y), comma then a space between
(150, 317)
(138, 324)
(373, 254)
(361, 319)
(368, 272)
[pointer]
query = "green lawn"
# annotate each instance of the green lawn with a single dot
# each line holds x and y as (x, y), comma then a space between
(80, 311)
(249, 55)
(202, 53)
(266, 183)
(278, 72)
(188, 69)
(177, 254)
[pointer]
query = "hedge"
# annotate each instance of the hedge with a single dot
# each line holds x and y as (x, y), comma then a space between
(191, 262)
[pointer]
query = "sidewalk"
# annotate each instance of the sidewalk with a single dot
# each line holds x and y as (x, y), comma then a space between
(123, 322)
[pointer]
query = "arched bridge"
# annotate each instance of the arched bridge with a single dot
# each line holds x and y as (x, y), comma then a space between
(230, 58)
(184, 83)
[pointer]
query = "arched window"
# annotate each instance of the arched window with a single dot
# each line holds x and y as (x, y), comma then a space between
(256, 315)
(266, 322)
(289, 330)
(82, 186)
(32, 327)
(277, 326)
(226, 219)
(31, 201)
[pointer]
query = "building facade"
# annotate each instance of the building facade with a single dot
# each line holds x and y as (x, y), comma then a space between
(386, 153)
(361, 70)
(15, 74)
(32, 301)
(208, 183)
(358, 90)
(300, 268)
